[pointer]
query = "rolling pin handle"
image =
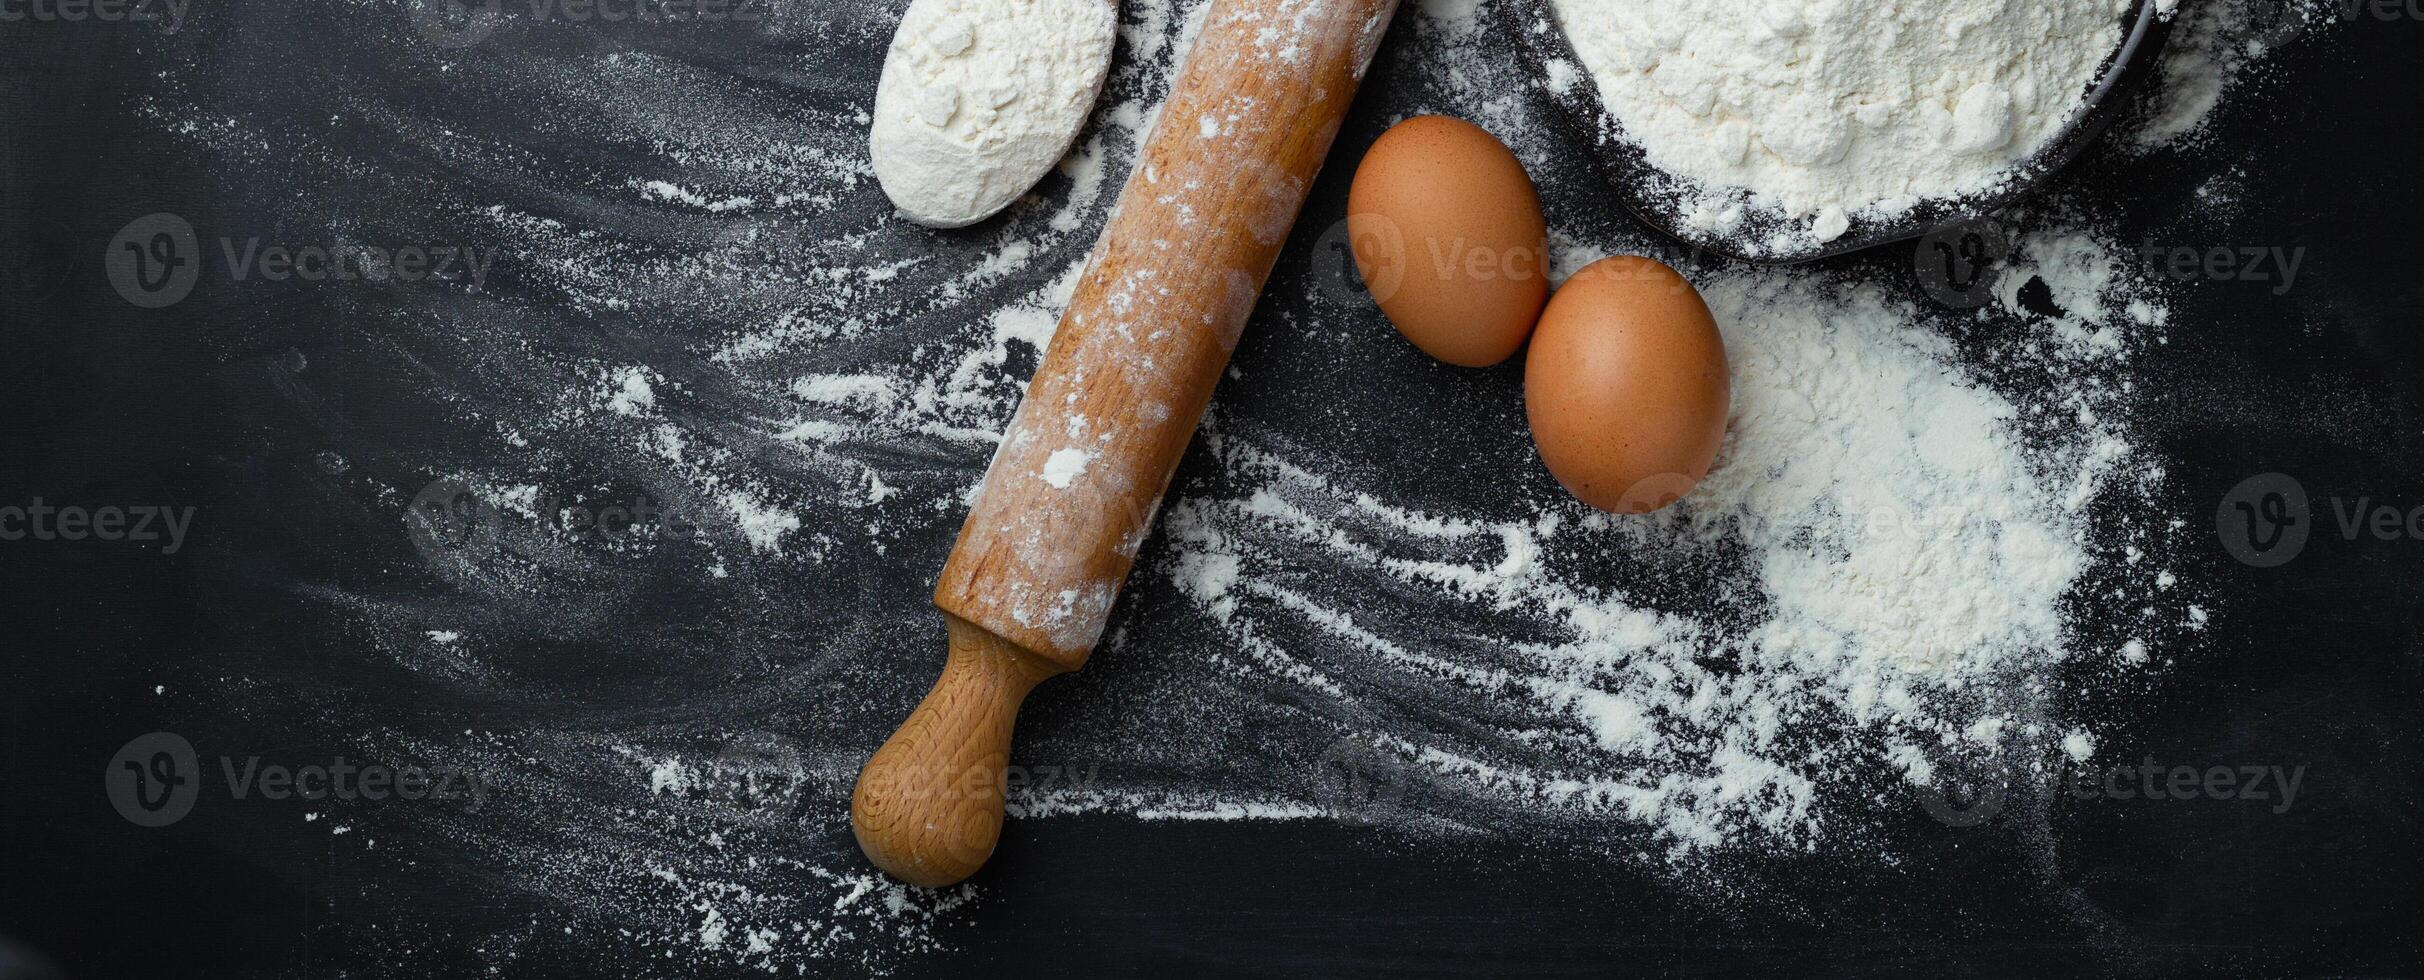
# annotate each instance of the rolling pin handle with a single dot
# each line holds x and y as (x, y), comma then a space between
(928, 807)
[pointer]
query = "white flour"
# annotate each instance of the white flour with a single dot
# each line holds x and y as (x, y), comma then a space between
(1825, 109)
(1873, 575)
(979, 98)
(2212, 49)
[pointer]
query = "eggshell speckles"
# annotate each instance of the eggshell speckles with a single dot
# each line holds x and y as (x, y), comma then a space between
(1448, 234)
(1626, 385)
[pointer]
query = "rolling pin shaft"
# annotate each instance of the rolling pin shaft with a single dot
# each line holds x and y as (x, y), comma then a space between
(1081, 471)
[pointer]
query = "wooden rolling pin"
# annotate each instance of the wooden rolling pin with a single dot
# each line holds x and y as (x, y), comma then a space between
(1072, 492)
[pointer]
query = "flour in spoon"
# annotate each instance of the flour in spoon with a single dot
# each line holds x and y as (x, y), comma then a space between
(1826, 110)
(979, 98)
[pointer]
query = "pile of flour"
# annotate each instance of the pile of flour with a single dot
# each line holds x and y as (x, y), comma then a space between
(980, 98)
(1826, 110)
(1874, 577)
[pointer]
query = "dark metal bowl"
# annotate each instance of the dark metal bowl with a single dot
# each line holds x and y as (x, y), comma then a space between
(1654, 196)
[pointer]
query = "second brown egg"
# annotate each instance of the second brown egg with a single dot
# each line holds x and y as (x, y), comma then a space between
(1627, 386)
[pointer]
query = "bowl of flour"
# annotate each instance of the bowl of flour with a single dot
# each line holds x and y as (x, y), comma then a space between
(1789, 130)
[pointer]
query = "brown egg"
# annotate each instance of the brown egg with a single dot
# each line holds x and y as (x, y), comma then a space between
(1448, 234)
(1626, 385)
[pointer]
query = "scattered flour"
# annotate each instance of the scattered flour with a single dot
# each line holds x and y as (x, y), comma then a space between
(631, 393)
(1064, 466)
(1882, 553)
(2215, 45)
(764, 525)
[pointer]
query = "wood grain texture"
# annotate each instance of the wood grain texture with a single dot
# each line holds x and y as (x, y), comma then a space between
(1072, 492)
(928, 807)
(1154, 318)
